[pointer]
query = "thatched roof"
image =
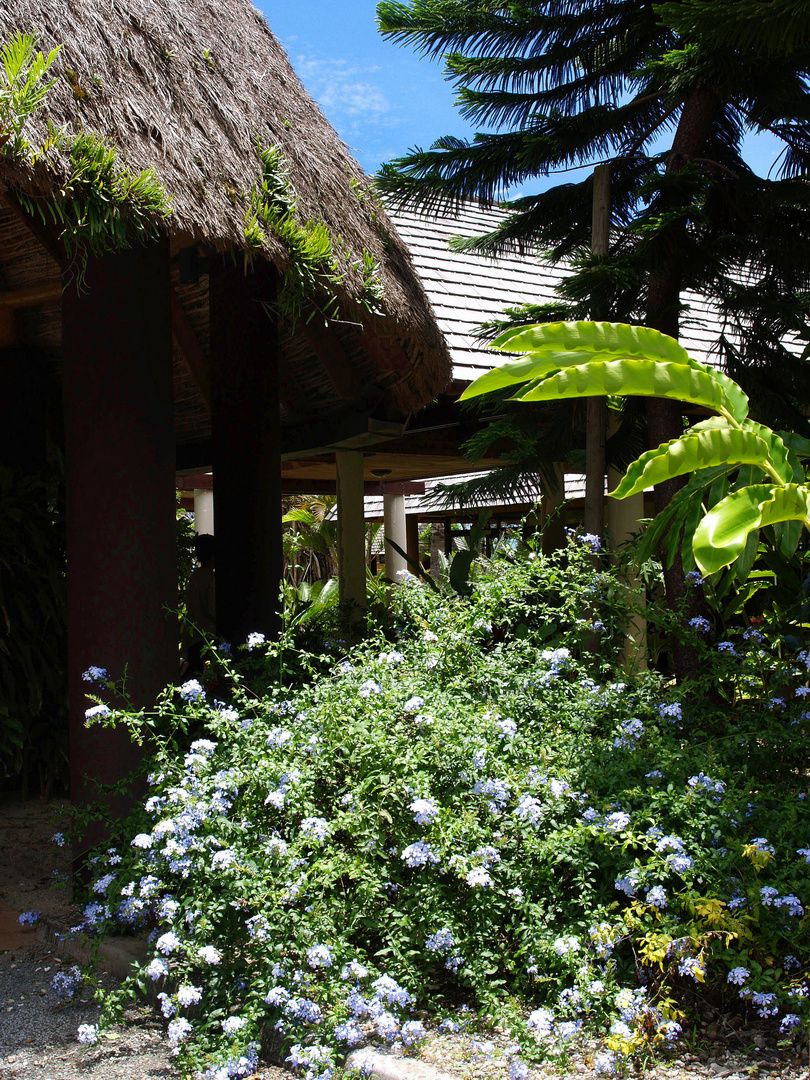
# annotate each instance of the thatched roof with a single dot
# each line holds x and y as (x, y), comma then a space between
(188, 89)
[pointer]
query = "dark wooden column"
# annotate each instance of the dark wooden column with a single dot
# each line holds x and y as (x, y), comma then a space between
(119, 443)
(246, 449)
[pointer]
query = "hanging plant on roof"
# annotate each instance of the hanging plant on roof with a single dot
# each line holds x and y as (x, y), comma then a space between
(98, 204)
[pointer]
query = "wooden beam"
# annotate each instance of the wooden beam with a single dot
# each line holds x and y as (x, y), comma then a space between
(38, 229)
(332, 357)
(188, 343)
(31, 295)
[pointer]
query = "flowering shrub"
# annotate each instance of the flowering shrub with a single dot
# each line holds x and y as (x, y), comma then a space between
(478, 813)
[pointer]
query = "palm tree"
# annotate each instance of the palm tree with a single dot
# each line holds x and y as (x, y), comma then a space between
(561, 84)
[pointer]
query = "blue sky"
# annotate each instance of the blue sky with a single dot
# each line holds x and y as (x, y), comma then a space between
(380, 97)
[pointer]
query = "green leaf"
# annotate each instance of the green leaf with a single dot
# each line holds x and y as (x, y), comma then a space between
(619, 339)
(641, 378)
(723, 533)
(689, 454)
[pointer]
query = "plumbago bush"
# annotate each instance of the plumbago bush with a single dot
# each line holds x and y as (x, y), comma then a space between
(477, 816)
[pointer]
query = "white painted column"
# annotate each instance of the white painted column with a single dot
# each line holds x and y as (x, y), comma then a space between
(203, 511)
(623, 517)
(396, 530)
(351, 527)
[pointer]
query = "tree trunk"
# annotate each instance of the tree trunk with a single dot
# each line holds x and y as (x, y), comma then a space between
(665, 418)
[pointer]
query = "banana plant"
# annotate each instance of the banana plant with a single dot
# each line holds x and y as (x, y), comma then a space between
(747, 475)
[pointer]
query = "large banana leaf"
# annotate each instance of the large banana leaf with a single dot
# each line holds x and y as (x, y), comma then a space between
(619, 339)
(640, 378)
(723, 533)
(689, 454)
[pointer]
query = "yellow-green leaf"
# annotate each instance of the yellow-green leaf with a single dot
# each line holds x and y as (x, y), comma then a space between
(723, 533)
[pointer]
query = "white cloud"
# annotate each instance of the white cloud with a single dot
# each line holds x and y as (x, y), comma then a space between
(347, 93)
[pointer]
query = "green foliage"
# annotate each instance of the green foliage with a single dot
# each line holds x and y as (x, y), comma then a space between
(585, 359)
(23, 89)
(100, 206)
(482, 812)
(313, 277)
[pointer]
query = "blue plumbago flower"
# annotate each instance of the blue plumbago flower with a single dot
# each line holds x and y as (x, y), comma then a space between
(369, 687)
(802, 691)
(209, 955)
(701, 624)
(566, 1029)
(157, 968)
(738, 975)
(617, 821)
(394, 658)
(590, 815)
(627, 884)
(178, 1030)
(87, 1034)
(805, 851)
(694, 577)
(598, 626)
(189, 995)
(414, 704)
(790, 963)
(632, 730)
(95, 674)
(167, 1006)
(716, 787)
(541, 1022)
(319, 956)
(478, 878)
(232, 1024)
(529, 809)
(516, 894)
(727, 647)
(590, 540)
(564, 946)
(680, 863)
(59, 839)
(103, 883)
(412, 1032)
(254, 641)
(497, 790)
(558, 788)
(766, 1004)
(142, 840)
(507, 728)
(387, 989)
(670, 1029)
(657, 896)
(425, 811)
(354, 970)
(168, 943)
(277, 996)
(693, 967)
(65, 983)
(441, 942)
(518, 1070)
(419, 854)
(768, 894)
(605, 1063)
(761, 844)
(315, 827)
(97, 712)
(789, 1022)
(301, 1008)
(620, 1028)
(655, 774)
(28, 918)
(671, 709)
(350, 1033)
(792, 903)
(192, 691)
(669, 843)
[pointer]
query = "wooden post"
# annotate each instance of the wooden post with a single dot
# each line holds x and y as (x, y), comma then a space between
(412, 533)
(246, 448)
(203, 511)
(121, 537)
(351, 529)
(594, 518)
(623, 518)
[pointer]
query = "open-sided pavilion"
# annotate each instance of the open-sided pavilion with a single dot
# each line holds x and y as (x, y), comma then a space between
(176, 356)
